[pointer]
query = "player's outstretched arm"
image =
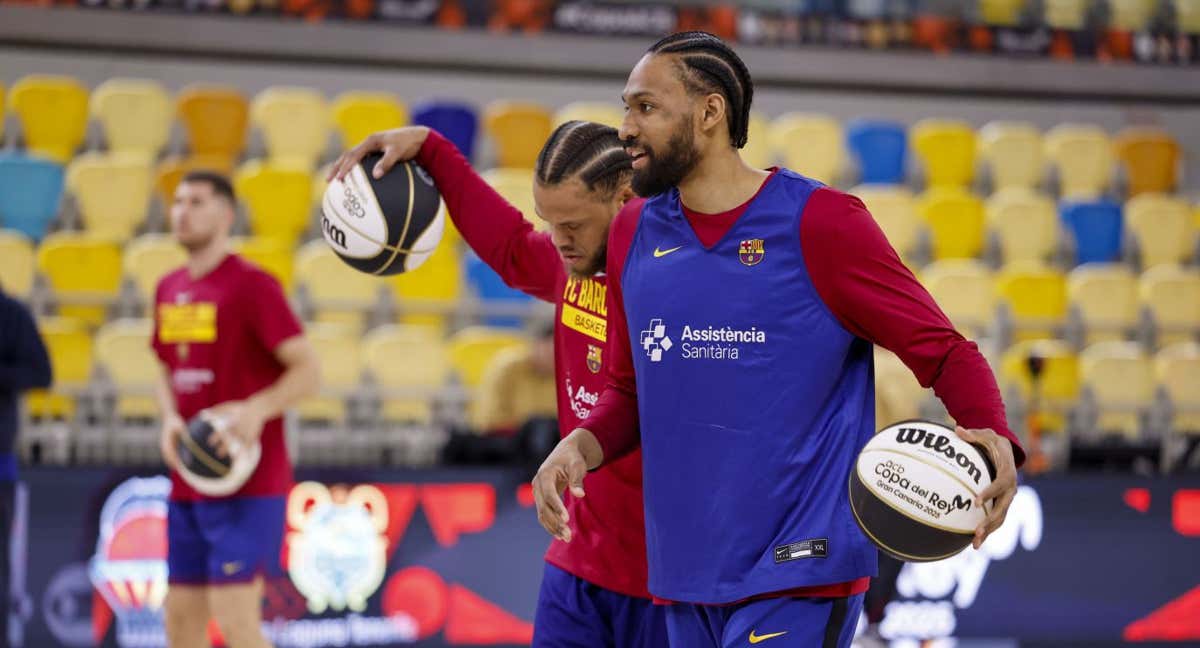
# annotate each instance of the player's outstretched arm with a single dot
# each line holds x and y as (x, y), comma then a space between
(172, 423)
(524, 258)
(564, 468)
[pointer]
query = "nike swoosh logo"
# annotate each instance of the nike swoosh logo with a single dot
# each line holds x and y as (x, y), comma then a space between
(662, 253)
(756, 639)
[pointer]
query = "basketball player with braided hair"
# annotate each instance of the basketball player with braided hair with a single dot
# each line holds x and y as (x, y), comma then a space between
(747, 383)
(593, 592)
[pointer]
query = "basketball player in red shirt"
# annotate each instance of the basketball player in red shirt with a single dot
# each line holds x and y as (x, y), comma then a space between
(593, 591)
(228, 343)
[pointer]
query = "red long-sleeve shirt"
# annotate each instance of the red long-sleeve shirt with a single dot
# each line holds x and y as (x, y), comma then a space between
(862, 281)
(608, 548)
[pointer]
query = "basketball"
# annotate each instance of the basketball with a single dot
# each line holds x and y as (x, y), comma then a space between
(913, 489)
(204, 469)
(383, 226)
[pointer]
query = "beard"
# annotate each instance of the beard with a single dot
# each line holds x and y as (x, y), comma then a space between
(592, 265)
(668, 170)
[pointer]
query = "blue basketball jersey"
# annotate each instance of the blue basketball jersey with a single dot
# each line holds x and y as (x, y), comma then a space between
(754, 402)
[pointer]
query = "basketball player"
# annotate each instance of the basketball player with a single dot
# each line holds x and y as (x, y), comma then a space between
(593, 592)
(752, 299)
(229, 343)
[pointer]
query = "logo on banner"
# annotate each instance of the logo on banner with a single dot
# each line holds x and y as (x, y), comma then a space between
(750, 251)
(129, 569)
(338, 553)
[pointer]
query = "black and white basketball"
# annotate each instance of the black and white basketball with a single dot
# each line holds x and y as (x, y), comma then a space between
(385, 226)
(206, 470)
(913, 490)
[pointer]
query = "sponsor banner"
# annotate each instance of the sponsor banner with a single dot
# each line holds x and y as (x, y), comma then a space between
(454, 558)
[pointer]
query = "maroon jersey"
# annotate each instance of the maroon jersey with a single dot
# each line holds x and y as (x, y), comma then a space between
(608, 546)
(217, 336)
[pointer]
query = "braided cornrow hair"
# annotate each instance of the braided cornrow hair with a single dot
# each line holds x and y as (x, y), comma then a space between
(587, 149)
(712, 66)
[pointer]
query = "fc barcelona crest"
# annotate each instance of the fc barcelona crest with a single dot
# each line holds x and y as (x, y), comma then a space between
(593, 358)
(750, 252)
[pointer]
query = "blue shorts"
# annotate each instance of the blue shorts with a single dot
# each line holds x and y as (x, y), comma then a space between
(774, 623)
(224, 541)
(573, 613)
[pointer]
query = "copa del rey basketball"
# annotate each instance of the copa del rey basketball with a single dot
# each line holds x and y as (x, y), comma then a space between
(940, 444)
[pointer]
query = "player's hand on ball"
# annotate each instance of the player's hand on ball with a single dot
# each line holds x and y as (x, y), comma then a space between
(564, 468)
(1003, 488)
(173, 427)
(398, 144)
(235, 422)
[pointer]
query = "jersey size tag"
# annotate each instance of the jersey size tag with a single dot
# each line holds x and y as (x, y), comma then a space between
(816, 548)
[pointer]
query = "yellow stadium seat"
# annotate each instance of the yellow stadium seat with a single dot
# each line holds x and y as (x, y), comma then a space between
(758, 151)
(1187, 16)
(215, 119)
(895, 211)
(271, 255)
(340, 359)
(407, 387)
(1172, 295)
(1106, 298)
(1058, 384)
(112, 193)
(84, 272)
(955, 219)
(149, 258)
(358, 114)
(339, 294)
(1013, 154)
(516, 186)
(472, 348)
(69, 346)
(1083, 157)
(1121, 378)
(171, 171)
(1162, 227)
(16, 263)
(609, 114)
(1065, 14)
(1151, 159)
(1177, 368)
(518, 130)
(1025, 224)
(123, 351)
(964, 289)
(278, 199)
(1036, 297)
(898, 395)
(294, 123)
(135, 115)
(1130, 15)
(811, 144)
(428, 293)
(3, 109)
(1001, 13)
(53, 113)
(946, 149)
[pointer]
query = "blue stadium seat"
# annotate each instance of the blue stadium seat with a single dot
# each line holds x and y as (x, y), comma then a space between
(880, 148)
(30, 191)
(457, 121)
(491, 288)
(1096, 227)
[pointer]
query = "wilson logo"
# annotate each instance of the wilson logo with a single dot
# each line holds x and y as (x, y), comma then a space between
(333, 233)
(940, 444)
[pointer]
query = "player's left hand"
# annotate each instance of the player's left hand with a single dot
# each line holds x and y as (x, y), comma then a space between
(1003, 489)
(239, 421)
